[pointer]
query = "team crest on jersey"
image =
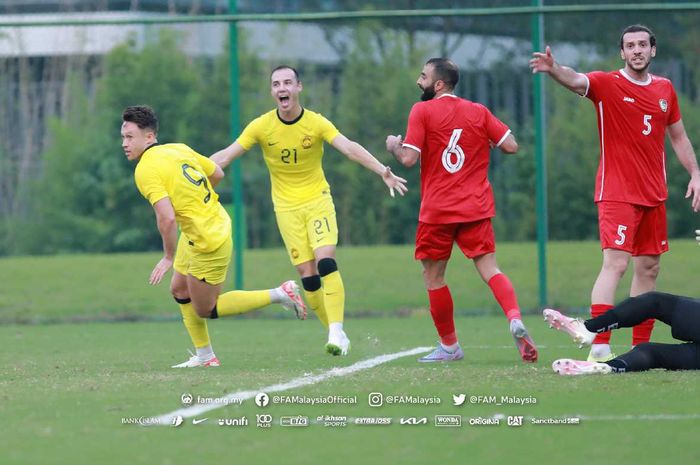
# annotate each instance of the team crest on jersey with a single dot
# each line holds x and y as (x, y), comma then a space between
(663, 104)
(306, 141)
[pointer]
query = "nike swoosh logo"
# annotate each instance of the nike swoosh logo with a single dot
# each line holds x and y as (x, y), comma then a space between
(196, 422)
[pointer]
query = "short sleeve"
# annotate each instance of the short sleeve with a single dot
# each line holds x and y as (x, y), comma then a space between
(149, 182)
(595, 83)
(496, 129)
(251, 134)
(207, 165)
(326, 129)
(674, 114)
(415, 132)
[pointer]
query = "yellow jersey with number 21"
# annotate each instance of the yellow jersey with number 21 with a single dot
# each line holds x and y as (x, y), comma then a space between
(293, 151)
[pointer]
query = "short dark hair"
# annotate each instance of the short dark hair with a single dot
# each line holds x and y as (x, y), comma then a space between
(142, 116)
(296, 73)
(445, 70)
(638, 28)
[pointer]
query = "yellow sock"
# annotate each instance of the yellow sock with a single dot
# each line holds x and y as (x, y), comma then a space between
(236, 302)
(196, 326)
(334, 297)
(315, 301)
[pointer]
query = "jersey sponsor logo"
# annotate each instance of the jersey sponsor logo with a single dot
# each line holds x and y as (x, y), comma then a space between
(306, 142)
(628, 99)
(663, 104)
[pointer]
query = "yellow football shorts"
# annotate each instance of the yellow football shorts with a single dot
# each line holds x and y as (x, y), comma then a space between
(210, 267)
(307, 228)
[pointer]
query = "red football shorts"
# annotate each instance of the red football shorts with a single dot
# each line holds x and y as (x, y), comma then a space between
(633, 228)
(435, 241)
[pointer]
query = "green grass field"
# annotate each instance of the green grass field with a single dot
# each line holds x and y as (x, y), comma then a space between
(65, 388)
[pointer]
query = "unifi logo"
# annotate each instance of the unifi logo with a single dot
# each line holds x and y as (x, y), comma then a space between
(458, 400)
(414, 421)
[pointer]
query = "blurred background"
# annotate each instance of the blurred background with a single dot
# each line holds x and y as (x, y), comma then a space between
(65, 185)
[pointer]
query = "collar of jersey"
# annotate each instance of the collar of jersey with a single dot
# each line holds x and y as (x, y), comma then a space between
(448, 95)
(633, 80)
(150, 147)
(290, 122)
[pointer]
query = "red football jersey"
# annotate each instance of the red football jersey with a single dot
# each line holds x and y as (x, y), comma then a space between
(632, 121)
(453, 137)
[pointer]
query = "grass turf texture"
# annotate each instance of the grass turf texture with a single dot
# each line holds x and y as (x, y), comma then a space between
(65, 388)
(378, 280)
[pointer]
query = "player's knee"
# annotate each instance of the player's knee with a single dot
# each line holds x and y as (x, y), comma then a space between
(648, 271)
(617, 266)
(311, 283)
(179, 291)
(327, 266)
(206, 312)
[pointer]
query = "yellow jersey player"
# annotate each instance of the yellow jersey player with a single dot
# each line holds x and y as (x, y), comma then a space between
(291, 138)
(179, 184)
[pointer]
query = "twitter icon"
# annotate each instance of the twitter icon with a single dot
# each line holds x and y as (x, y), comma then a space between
(458, 399)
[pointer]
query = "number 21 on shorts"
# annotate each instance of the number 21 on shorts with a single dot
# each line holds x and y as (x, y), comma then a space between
(453, 155)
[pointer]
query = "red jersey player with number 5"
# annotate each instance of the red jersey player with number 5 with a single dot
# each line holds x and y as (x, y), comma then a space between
(634, 109)
(452, 138)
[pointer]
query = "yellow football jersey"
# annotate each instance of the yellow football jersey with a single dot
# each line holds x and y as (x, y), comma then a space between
(178, 172)
(292, 152)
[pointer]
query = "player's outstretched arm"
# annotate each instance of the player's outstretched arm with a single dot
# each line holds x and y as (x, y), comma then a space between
(167, 226)
(405, 155)
(686, 155)
(359, 154)
(224, 157)
(567, 77)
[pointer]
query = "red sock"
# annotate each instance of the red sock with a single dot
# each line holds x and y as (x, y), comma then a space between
(597, 310)
(442, 311)
(642, 332)
(505, 295)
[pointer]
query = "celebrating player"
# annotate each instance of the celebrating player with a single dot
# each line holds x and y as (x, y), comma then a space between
(452, 137)
(681, 313)
(634, 109)
(291, 138)
(179, 184)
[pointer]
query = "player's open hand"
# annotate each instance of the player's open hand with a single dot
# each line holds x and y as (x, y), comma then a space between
(395, 183)
(542, 62)
(694, 190)
(160, 270)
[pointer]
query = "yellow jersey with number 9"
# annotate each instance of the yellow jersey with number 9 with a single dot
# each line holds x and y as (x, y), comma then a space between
(293, 151)
(178, 172)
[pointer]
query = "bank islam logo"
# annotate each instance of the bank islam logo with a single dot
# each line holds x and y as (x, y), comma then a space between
(186, 398)
(262, 399)
(177, 421)
(458, 399)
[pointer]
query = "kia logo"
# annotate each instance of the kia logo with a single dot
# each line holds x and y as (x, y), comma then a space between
(414, 421)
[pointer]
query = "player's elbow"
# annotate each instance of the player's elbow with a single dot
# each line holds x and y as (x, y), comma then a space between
(408, 161)
(166, 221)
(509, 145)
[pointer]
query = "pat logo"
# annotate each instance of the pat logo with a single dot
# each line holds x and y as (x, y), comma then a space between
(663, 104)
(306, 142)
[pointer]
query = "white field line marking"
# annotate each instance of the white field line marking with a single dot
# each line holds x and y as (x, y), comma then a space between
(188, 412)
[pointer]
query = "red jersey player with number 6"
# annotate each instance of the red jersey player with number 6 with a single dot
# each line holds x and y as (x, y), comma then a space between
(634, 109)
(452, 138)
